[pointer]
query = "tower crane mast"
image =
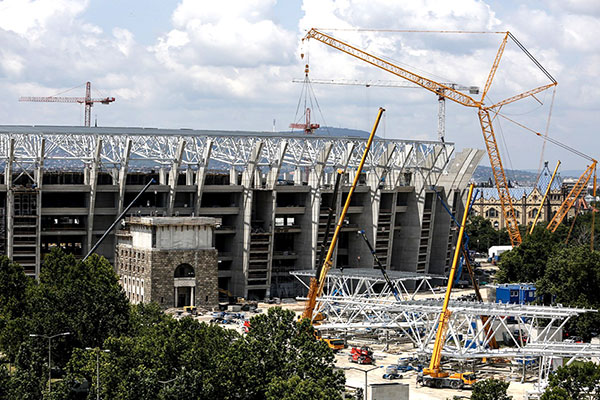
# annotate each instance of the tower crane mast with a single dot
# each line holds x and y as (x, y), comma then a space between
(88, 101)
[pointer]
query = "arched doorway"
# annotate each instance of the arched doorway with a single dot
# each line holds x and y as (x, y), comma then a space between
(184, 285)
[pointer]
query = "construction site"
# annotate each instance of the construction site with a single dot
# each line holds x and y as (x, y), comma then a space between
(363, 236)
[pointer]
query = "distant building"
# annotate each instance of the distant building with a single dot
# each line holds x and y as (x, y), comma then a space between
(169, 260)
(525, 199)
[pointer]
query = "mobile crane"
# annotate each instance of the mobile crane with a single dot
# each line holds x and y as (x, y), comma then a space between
(435, 376)
(450, 93)
(318, 282)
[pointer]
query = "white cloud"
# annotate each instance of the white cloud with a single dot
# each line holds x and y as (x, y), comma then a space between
(32, 18)
(228, 65)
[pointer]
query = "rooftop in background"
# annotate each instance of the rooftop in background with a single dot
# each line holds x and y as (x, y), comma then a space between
(325, 132)
(524, 191)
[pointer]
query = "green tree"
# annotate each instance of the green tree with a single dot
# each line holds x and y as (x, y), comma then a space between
(482, 234)
(578, 381)
(4, 383)
(527, 263)
(490, 389)
(83, 298)
(295, 388)
(13, 286)
(572, 278)
(157, 348)
(276, 349)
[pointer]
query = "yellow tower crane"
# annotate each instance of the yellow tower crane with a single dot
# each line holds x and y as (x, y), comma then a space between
(461, 98)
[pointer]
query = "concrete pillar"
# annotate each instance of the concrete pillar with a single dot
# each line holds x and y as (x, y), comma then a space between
(93, 182)
(173, 177)
(39, 180)
(247, 196)
(123, 175)
(314, 182)
(201, 173)
(276, 166)
(10, 199)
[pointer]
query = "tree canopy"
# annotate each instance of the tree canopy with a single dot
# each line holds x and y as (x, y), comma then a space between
(278, 358)
(482, 234)
(151, 355)
(578, 381)
(527, 263)
(490, 389)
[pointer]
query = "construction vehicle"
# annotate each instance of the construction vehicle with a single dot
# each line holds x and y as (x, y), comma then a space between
(434, 375)
(335, 344)
(361, 355)
(450, 93)
(318, 282)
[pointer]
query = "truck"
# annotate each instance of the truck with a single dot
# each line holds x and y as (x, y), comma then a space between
(335, 344)
(457, 380)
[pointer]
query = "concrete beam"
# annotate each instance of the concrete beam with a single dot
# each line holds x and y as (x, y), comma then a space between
(123, 175)
(10, 199)
(250, 171)
(201, 173)
(39, 178)
(276, 166)
(173, 177)
(93, 187)
(316, 174)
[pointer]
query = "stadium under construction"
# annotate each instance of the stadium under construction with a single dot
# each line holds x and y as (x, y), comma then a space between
(64, 186)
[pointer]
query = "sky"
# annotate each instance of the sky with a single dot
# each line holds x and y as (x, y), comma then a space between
(229, 65)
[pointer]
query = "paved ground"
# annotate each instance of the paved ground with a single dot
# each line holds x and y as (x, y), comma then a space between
(356, 379)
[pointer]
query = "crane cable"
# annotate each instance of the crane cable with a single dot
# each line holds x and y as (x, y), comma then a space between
(546, 133)
(549, 139)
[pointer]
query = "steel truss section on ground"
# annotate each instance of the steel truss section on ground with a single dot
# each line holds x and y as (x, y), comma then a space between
(72, 147)
(359, 298)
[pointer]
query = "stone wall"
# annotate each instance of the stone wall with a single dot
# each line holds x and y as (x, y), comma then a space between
(163, 264)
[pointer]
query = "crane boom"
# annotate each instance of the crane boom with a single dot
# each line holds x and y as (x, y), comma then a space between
(81, 100)
(426, 83)
(571, 197)
(446, 91)
(539, 211)
(316, 285)
(434, 369)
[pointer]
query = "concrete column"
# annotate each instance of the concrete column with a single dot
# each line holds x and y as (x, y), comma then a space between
(123, 175)
(93, 182)
(314, 181)
(10, 199)
(173, 177)
(39, 179)
(247, 196)
(276, 166)
(232, 176)
(376, 179)
(201, 173)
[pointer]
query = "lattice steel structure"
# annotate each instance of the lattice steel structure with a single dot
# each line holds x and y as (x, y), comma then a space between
(360, 299)
(63, 185)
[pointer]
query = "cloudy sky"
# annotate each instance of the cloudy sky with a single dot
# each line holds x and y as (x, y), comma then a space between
(229, 65)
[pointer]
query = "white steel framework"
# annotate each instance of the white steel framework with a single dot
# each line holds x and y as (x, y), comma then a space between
(73, 147)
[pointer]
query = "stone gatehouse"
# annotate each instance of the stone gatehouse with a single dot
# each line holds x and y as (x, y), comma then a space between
(169, 260)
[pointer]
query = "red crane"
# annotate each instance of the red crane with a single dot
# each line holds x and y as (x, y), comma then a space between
(307, 127)
(88, 101)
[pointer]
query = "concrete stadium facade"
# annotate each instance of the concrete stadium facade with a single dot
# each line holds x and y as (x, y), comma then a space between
(64, 186)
